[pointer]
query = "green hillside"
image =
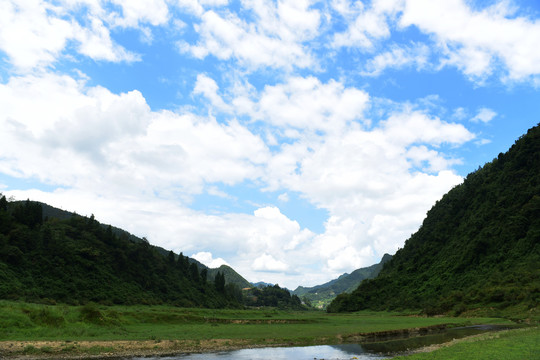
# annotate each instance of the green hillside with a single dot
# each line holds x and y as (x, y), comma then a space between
(64, 257)
(478, 247)
(231, 276)
(321, 295)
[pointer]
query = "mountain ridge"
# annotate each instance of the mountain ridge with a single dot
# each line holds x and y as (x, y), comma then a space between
(57, 256)
(477, 248)
(231, 275)
(321, 295)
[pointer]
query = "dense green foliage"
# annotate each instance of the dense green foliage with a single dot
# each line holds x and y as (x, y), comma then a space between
(321, 295)
(76, 260)
(478, 247)
(273, 296)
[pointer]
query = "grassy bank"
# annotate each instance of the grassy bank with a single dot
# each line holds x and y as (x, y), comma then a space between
(38, 329)
(23, 321)
(516, 344)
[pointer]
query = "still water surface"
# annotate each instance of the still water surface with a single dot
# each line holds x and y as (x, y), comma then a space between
(365, 351)
(326, 352)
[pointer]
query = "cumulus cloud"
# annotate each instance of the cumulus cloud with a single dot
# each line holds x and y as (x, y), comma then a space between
(207, 259)
(366, 25)
(118, 138)
(36, 34)
(267, 263)
(374, 172)
(134, 12)
(274, 39)
(485, 42)
(475, 41)
(307, 104)
(208, 87)
(29, 36)
(484, 115)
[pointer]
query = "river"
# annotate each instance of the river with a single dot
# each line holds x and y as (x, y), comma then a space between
(364, 351)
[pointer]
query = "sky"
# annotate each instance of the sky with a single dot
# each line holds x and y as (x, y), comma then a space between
(294, 140)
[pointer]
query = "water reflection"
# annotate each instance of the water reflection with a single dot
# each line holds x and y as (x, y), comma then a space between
(394, 346)
(364, 351)
(326, 352)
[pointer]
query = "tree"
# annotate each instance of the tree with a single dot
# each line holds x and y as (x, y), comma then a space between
(194, 272)
(29, 213)
(219, 282)
(3, 203)
(171, 258)
(182, 263)
(204, 275)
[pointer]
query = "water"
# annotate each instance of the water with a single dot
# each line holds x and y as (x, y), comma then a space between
(405, 344)
(366, 351)
(326, 352)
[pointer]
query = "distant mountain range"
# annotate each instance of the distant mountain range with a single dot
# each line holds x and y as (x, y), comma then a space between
(321, 295)
(261, 284)
(478, 247)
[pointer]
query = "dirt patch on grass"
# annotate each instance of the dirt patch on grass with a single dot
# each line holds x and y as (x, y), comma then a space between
(121, 348)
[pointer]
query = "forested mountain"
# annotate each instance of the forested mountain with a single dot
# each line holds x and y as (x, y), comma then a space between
(63, 257)
(321, 295)
(478, 247)
(231, 276)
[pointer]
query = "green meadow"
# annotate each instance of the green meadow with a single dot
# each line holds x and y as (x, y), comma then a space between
(35, 322)
(24, 321)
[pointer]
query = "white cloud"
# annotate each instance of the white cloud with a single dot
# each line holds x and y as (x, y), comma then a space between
(415, 127)
(481, 142)
(95, 42)
(397, 58)
(307, 104)
(196, 7)
(29, 36)
(372, 174)
(283, 197)
(267, 263)
(154, 12)
(475, 41)
(50, 120)
(484, 115)
(35, 33)
(369, 26)
(209, 88)
(492, 41)
(347, 8)
(274, 39)
(207, 259)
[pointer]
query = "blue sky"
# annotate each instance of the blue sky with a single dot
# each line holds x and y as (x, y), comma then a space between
(294, 140)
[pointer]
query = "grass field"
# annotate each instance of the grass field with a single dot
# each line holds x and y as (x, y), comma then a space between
(519, 344)
(23, 321)
(66, 327)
